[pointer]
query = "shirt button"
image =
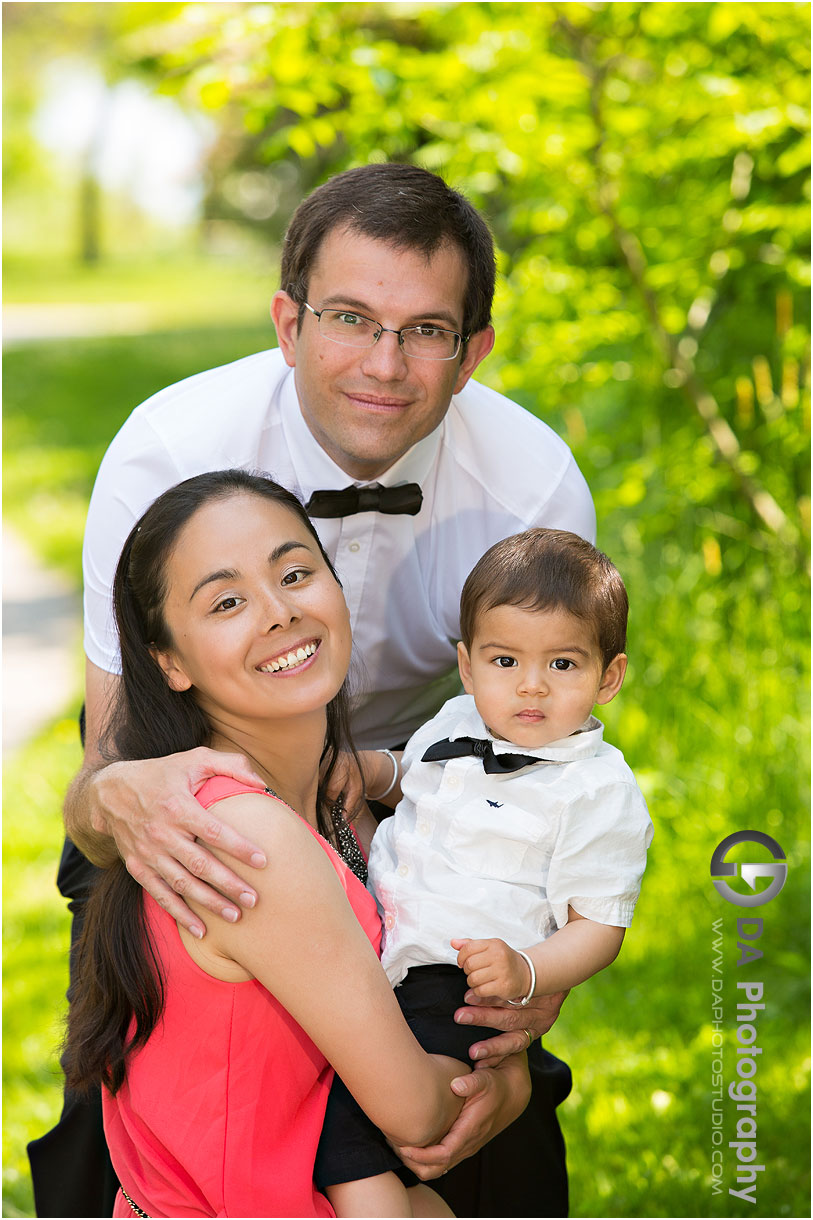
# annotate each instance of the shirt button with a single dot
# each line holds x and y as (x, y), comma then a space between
(452, 781)
(423, 828)
(389, 922)
(354, 546)
(402, 870)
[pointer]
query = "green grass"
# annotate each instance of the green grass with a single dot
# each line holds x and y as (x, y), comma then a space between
(713, 718)
(36, 935)
(180, 289)
(65, 401)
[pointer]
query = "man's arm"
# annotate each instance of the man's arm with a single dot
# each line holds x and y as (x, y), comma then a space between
(375, 777)
(145, 812)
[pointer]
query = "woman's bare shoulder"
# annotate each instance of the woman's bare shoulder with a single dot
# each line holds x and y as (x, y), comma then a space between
(262, 817)
(296, 862)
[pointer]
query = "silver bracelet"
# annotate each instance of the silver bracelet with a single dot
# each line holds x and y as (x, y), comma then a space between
(392, 782)
(526, 998)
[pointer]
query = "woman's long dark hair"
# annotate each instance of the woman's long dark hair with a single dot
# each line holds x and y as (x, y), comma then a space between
(116, 978)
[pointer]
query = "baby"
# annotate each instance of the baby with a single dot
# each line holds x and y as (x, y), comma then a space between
(517, 825)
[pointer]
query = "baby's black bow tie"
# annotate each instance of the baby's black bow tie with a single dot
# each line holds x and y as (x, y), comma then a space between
(406, 498)
(493, 764)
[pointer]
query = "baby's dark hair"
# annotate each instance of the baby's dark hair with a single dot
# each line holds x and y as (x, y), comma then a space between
(549, 570)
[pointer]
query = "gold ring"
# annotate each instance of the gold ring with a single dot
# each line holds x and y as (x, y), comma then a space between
(530, 1038)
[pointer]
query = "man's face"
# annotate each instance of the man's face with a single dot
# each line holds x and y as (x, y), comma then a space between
(368, 406)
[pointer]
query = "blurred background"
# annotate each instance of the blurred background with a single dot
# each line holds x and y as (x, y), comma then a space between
(645, 171)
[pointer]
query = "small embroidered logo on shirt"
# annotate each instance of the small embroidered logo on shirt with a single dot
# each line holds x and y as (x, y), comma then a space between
(495, 804)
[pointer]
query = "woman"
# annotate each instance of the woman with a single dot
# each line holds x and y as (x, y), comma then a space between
(216, 1054)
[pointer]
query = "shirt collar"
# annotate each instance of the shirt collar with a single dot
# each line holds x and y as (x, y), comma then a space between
(318, 471)
(582, 744)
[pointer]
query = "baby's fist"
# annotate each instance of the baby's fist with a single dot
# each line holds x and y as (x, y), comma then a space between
(493, 968)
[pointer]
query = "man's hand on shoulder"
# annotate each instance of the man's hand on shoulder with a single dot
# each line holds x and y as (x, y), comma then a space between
(148, 808)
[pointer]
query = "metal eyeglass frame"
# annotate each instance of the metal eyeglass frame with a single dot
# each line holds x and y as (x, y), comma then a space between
(317, 313)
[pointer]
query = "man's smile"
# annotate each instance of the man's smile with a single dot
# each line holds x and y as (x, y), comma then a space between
(376, 402)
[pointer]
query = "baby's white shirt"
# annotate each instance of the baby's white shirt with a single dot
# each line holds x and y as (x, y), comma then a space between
(468, 854)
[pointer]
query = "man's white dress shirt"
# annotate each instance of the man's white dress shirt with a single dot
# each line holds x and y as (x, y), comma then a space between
(489, 469)
(469, 854)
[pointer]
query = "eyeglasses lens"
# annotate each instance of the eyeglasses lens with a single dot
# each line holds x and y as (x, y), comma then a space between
(354, 330)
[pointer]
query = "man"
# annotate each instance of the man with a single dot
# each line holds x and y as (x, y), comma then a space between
(382, 318)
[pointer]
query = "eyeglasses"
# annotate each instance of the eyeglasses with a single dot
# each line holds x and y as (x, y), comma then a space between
(354, 330)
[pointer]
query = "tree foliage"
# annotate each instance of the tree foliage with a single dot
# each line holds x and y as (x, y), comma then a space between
(35, 36)
(645, 171)
(644, 168)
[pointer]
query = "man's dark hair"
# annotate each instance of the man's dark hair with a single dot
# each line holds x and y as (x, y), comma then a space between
(405, 206)
(549, 570)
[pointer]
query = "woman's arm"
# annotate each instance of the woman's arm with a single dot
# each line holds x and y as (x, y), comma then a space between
(494, 1097)
(303, 942)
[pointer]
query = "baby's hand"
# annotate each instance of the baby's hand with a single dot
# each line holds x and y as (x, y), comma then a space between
(493, 968)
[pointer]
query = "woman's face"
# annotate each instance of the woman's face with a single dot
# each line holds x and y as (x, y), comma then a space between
(259, 626)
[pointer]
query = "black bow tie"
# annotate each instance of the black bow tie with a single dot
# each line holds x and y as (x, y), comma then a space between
(493, 764)
(376, 499)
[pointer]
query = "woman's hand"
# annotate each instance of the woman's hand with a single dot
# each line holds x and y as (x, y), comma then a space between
(373, 779)
(347, 780)
(161, 832)
(536, 1018)
(494, 1097)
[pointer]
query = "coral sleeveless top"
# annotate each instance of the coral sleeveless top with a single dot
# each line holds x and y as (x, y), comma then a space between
(221, 1111)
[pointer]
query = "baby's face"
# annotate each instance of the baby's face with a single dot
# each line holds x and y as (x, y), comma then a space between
(536, 674)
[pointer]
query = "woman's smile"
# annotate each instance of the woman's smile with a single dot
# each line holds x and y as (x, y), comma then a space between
(291, 661)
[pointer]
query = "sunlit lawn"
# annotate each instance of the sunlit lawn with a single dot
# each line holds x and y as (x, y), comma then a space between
(64, 402)
(35, 944)
(712, 718)
(178, 290)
